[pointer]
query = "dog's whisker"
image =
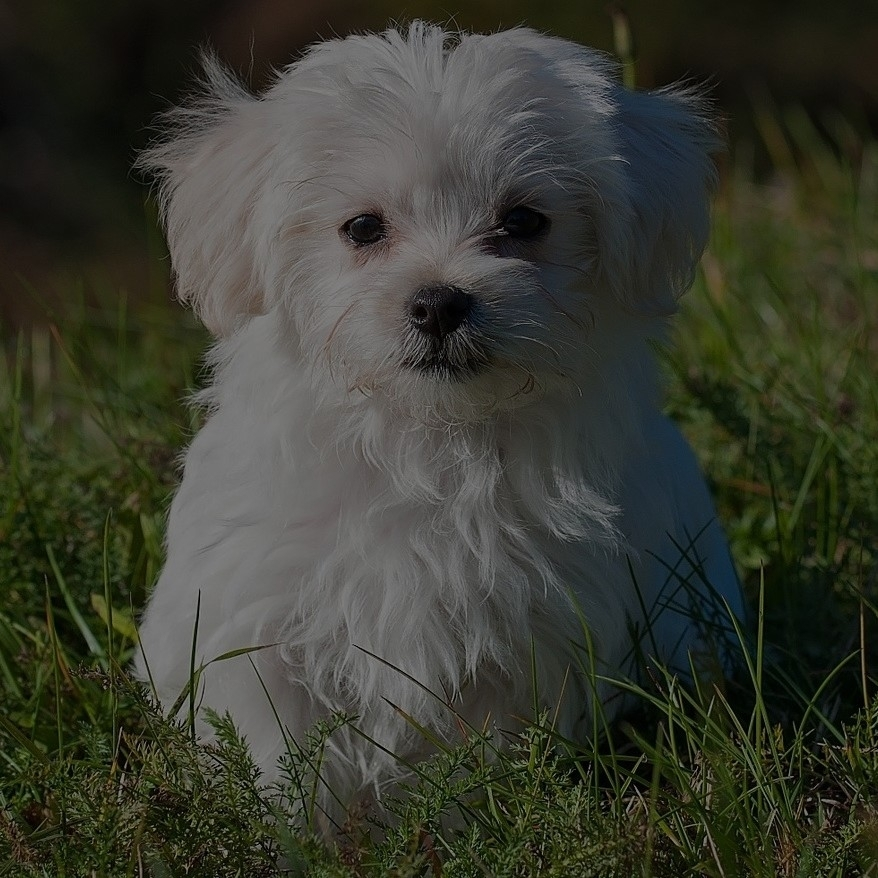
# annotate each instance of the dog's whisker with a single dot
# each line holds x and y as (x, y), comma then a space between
(335, 326)
(530, 384)
(559, 308)
(587, 273)
(531, 340)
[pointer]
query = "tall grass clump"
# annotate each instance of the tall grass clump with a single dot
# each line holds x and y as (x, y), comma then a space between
(772, 773)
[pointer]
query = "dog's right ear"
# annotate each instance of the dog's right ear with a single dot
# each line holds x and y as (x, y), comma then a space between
(211, 165)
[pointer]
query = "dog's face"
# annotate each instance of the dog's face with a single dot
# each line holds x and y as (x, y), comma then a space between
(437, 220)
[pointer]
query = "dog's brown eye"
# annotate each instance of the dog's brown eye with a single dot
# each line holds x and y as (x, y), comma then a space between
(522, 222)
(365, 229)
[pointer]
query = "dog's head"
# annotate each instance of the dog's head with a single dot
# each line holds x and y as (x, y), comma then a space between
(434, 214)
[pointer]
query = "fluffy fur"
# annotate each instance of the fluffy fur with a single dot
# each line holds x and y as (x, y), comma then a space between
(388, 512)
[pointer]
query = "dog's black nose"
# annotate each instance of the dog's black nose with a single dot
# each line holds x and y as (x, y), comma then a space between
(439, 310)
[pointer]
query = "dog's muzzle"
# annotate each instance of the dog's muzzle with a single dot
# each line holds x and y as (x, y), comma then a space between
(444, 340)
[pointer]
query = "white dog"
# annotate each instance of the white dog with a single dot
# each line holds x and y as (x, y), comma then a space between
(436, 266)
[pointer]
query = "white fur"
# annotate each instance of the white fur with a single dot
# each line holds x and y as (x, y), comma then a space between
(348, 508)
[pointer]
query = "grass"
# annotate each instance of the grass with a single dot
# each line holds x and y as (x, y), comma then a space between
(773, 378)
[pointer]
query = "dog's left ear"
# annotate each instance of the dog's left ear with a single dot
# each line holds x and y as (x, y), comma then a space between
(652, 246)
(654, 175)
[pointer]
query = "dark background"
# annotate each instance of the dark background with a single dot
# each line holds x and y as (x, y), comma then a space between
(80, 81)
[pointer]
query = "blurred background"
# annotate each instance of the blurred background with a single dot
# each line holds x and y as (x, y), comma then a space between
(81, 80)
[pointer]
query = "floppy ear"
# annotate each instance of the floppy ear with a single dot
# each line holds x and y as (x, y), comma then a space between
(652, 211)
(211, 165)
(652, 249)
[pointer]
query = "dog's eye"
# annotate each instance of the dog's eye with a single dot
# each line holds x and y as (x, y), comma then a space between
(522, 222)
(365, 229)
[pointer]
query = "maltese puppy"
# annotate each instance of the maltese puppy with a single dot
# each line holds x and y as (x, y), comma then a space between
(434, 481)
